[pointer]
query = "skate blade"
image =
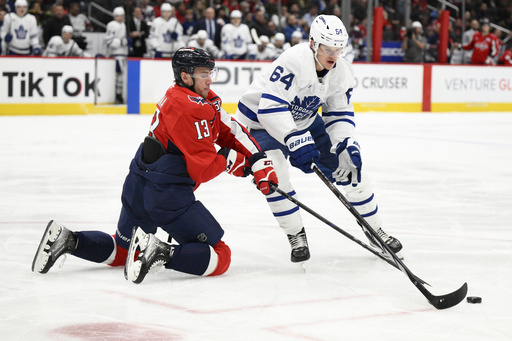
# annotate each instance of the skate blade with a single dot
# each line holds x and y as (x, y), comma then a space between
(42, 256)
(132, 266)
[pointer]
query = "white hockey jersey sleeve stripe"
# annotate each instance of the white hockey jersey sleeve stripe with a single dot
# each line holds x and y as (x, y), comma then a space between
(274, 98)
(271, 110)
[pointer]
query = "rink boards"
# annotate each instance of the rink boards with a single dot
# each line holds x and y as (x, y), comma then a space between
(50, 86)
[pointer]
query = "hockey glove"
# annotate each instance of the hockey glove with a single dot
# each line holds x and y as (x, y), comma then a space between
(302, 150)
(37, 51)
(263, 171)
(236, 163)
(8, 38)
(349, 162)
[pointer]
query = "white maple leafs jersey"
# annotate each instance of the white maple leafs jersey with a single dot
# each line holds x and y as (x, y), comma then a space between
(208, 45)
(235, 39)
(160, 35)
(287, 98)
(58, 48)
(117, 43)
(24, 31)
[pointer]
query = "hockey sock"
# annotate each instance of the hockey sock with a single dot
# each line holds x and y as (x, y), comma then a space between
(94, 246)
(193, 258)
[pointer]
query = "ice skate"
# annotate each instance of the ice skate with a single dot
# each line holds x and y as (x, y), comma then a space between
(57, 240)
(299, 244)
(393, 243)
(153, 253)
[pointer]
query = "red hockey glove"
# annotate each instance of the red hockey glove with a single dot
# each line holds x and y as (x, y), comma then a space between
(263, 171)
(236, 163)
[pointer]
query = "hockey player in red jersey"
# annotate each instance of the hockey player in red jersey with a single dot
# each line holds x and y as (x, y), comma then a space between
(191, 140)
(485, 45)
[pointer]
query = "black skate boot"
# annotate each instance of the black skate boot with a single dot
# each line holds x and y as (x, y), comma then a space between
(57, 240)
(393, 243)
(154, 253)
(299, 244)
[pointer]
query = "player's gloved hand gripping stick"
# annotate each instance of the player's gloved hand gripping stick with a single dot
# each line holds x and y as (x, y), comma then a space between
(258, 164)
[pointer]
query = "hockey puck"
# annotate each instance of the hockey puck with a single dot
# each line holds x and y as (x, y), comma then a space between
(474, 299)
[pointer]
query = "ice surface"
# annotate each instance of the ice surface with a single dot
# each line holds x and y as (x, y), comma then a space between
(444, 187)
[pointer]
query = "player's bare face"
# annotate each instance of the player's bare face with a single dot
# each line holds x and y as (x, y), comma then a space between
(21, 10)
(327, 57)
(203, 81)
(166, 14)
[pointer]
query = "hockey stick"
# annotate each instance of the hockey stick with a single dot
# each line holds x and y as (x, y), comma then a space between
(439, 302)
(335, 227)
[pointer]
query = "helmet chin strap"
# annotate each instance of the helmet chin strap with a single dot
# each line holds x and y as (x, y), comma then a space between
(316, 59)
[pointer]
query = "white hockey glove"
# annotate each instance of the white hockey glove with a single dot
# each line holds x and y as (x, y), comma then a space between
(349, 162)
(116, 43)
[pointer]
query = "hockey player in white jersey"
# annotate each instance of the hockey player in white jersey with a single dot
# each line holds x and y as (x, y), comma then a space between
(280, 44)
(280, 109)
(166, 34)
(202, 41)
(19, 33)
(235, 37)
(117, 47)
(262, 50)
(64, 45)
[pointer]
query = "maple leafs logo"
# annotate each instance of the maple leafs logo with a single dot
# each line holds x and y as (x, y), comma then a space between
(307, 107)
(21, 33)
(167, 36)
(198, 100)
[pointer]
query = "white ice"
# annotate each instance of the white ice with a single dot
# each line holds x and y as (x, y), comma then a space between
(444, 187)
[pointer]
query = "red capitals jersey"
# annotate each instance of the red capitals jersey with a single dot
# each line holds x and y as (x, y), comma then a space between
(506, 58)
(483, 47)
(187, 123)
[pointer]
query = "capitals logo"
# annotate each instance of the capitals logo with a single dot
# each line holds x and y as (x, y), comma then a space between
(307, 107)
(198, 100)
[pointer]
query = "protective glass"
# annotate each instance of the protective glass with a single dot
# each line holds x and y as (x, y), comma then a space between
(329, 51)
(205, 75)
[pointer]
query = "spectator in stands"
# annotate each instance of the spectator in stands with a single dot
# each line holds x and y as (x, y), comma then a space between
(166, 34)
(64, 45)
(292, 26)
(467, 37)
(210, 25)
(484, 45)
(235, 37)
(311, 14)
(53, 26)
(189, 24)
(260, 23)
(201, 40)
(80, 24)
(272, 29)
(431, 50)
(19, 32)
(147, 11)
(138, 31)
(414, 44)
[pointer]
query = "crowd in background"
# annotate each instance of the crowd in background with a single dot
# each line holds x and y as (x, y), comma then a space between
(253, 29)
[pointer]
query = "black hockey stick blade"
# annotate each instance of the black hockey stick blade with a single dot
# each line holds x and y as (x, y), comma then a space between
(381, 255)
(439, 302)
